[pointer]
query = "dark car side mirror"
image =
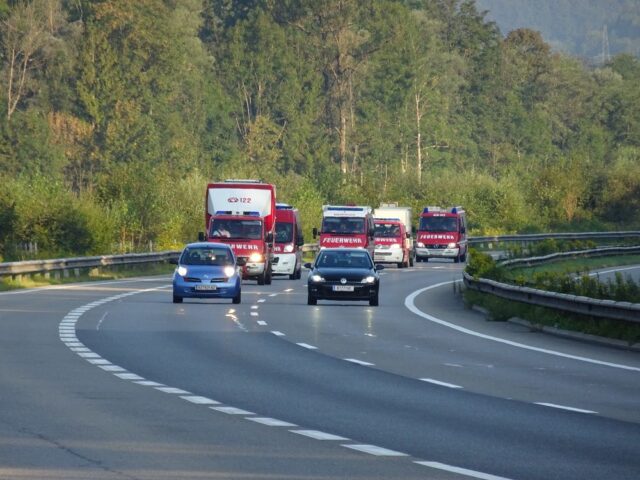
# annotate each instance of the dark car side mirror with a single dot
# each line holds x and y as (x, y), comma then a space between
(315, 232)
(379, 267)
(300, 241)
(201, 237)
(241, 262)
(269, 237)
(308, 265)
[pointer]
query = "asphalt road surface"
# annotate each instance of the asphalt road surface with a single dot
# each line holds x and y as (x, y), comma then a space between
(113, 381)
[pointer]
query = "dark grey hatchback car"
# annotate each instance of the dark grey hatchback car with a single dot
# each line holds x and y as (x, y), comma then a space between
(343, 274)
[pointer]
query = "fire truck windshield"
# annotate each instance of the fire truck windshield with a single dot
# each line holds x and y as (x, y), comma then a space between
(343, 225)
(387, 230)
(284, 232)
(236, 229)
(438, 224)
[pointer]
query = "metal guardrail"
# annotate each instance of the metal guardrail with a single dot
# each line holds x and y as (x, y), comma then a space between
(594, 252)
(559, 301)
(29, 267)
(557, 236)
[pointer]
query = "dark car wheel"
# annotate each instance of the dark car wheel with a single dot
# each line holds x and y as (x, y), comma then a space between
(236, 300)
(177, 299)
(267, 278)
(374, 301)
(311, 300)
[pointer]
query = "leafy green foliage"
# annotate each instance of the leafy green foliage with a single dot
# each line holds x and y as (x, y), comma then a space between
(128, 108)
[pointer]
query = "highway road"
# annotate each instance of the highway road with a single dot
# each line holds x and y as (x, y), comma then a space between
(609, 274)
(112, 381)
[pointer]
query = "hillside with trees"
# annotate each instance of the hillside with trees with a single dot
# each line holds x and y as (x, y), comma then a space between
(114, 114)
(591, 29)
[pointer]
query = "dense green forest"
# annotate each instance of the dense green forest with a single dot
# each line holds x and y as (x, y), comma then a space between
(115, 113)
(591, 29)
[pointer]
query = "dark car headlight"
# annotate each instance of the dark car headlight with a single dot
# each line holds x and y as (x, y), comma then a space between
(316, 278)
(368, 279)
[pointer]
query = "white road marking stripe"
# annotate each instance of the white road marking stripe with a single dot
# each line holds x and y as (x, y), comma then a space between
(232, 410)
(273, 295)
(277, 333)
(199, 400)
(254, 314)
(112, 368)
(289, 290)
(562, 407)
(359, 362)
(149, 383)
(378, 451)
(99, 361)
(306, 345)
(261, 300)
(177, 391)
(261, 322)
(79, 349)
(254, 307)
(463, 471)
(437, 382)
(128, 376)
(89, 355)
(271, 422)
(319, 435)
(408, 302)
(453, 365)
(613, 271)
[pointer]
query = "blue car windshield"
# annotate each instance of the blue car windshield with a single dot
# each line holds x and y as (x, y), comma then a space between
(206, 256)
(341, 259)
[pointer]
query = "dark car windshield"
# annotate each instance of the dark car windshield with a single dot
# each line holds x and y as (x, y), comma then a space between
(284, 232)
(438, 224)
(387, 230)
(343, 259)
(236, 229)
(206, 256)
(343, 225)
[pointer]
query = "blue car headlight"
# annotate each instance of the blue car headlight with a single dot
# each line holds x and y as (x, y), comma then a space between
(229, 271)
(182, 271)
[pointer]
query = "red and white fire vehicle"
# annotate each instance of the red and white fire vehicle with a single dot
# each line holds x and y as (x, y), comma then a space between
(346, 226)
(287, 259)
(442, 234)
(393, 241)
(241, 213)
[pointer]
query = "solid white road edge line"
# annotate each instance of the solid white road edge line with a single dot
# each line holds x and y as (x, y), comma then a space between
(409, 303)
(437, 382)
(562, 407)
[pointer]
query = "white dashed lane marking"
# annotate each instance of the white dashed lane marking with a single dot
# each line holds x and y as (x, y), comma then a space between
(378, 451)
(232, 410)
(199, 400)
(271, 422)
(306, 345)
(177, 391)
(261, 322)
(319, 435)
(277, 333)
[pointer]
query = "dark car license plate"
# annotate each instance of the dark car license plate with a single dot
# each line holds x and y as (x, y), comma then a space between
(343, 288)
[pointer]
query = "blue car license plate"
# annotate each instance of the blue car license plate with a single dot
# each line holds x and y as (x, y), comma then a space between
(207, 288)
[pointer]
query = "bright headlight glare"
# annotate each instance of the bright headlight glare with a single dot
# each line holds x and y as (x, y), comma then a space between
(451, 245)
(255, 257)
(316, 278)
(229, 271)
(369, 279)
(288, 248)
(420, 245)
(182, 271)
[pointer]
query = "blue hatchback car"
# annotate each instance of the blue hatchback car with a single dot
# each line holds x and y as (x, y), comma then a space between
(207, 270)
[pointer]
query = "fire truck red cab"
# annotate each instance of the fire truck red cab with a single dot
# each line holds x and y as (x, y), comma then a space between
(347, 226)
(287, 258)
(442, 234)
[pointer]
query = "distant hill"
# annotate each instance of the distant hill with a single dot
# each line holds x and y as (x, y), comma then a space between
(574, 26)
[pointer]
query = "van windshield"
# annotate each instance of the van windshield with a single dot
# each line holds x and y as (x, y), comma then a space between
(342, 225)
(387, 230)
(438, 224)
(284, 232)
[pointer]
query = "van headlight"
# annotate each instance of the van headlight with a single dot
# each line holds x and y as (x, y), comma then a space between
(229, 271)
(420, 245)
(288, 248)
(256, 257)
(182, 271)
(452, 245)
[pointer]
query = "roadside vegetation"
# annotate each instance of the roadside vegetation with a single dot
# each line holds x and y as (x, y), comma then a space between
(566, 276)
(115, 114)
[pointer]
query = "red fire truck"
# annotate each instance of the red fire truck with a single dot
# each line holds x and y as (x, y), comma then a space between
(442, 234)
